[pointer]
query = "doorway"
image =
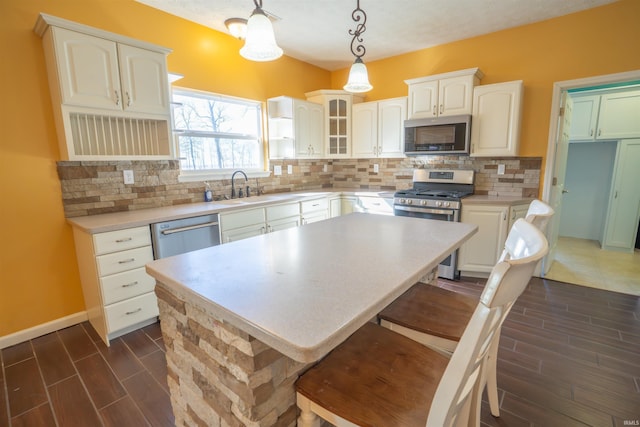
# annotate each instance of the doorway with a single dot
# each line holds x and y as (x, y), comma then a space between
(576, 260)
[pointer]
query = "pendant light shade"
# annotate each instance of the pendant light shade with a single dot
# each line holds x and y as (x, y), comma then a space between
(358, 78)
(260, 44)
(358, 75)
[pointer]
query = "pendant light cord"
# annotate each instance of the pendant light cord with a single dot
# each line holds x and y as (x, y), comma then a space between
(357, 48)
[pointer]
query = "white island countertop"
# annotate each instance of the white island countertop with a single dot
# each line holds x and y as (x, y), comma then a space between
(304, 290)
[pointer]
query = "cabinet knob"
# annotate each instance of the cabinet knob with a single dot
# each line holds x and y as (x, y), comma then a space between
(441, 108)
(128, 99)
(117, 97)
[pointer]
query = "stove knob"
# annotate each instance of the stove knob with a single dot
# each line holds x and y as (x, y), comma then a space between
(423, 202)
(447, 204)
(401, 201)
(438, 203)
(409, 201)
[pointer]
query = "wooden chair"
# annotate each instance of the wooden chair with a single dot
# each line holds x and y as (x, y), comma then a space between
(380, 378)
(436, 317)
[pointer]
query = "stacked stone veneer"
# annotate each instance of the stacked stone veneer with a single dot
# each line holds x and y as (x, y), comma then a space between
(90, 188)
(221, 376)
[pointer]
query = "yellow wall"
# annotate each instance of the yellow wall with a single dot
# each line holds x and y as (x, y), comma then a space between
(38, 274)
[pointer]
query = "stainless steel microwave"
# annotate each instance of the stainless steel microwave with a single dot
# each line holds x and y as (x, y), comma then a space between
(437, 135)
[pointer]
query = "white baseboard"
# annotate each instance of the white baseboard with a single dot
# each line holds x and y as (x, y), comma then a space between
(43, 329)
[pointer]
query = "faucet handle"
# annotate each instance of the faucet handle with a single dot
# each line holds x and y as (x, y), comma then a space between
(240, 192)
(248, 191)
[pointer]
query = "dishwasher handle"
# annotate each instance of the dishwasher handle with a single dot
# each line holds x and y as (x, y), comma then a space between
(189, 227)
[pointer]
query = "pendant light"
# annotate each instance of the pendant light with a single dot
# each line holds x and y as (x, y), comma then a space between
(358, 77)
(260, 44)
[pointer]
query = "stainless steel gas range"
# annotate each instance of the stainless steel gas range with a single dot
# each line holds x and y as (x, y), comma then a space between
(436, 194)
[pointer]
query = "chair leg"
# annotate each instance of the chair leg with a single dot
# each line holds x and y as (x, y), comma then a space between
(307, 417)
(491, 374)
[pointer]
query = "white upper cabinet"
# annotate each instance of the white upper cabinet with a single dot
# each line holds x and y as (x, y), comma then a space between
(619, 115)
(445, 94)
(378, 128)
(584, 118)
(110, 93)
(296, 128)
(495, 123)
(337, 120)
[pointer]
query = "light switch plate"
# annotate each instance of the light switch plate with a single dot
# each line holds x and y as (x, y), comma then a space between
(501, 169)
(289, 169)
(128, 176)
(277, 170)
(325, 168)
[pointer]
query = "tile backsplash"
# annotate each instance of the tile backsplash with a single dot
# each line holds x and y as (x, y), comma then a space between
(90, 188)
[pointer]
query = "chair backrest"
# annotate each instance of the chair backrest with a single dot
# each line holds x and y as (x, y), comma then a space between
(538, 214)
(508, 279)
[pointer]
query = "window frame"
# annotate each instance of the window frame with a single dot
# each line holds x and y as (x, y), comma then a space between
(219, 174)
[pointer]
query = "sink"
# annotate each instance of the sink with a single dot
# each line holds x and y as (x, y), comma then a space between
(235, 202)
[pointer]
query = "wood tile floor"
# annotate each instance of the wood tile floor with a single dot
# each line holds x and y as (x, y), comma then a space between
(569, 356)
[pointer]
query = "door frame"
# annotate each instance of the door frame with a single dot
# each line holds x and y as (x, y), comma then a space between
(554, 121)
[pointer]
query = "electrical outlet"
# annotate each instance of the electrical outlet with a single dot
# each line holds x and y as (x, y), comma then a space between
(501, 169)
(277, 170)
(128, 176)
(376, 168)
(289, 169)
(325, 168)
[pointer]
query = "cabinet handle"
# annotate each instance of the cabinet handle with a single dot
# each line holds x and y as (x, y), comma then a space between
(128, 99)
(315, 204)
(435, 110)
(126, 261)
(616, 195)
(126, 239)
(591, 132)
(263, 230)
(139, 309)
(128, 285)
(117, 97)
(270, 228)
(441, 108)
(599, 132)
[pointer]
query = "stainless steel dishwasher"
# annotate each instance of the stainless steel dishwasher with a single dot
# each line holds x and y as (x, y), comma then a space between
(184, 235)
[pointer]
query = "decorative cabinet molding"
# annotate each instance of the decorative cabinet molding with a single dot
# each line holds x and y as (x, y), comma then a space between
(378, 128)
(444, 94)
(110, 93)
(337, 120)
(495, 125)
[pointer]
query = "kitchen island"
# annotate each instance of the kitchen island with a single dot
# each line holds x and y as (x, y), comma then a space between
(241, 321)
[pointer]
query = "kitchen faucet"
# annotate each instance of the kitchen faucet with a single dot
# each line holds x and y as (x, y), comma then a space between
(233, 189)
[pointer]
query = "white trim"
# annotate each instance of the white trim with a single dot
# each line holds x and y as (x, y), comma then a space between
(42, 329)
(196, 176)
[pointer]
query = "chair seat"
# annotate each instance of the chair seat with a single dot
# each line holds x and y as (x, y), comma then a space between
(431, 310)
(376, 378)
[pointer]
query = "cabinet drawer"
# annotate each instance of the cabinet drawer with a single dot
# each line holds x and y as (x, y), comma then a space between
(282, 211)
(121, 286)
(120, 240)
(241, 219)
(123, 261)
(131, 311)
(314, 205)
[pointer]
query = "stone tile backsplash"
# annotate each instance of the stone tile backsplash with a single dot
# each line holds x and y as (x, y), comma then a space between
(96, 187)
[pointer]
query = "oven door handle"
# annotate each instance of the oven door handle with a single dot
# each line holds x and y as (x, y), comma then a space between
(447, 212)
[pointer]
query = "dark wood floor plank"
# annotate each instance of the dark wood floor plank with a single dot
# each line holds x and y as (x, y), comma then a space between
(625, 405)
(615, 349)
(630, 367)
(578, 373)
(91, 332)
(53, 358)
(25, 389)
(562, 351)
(156, 364)
(102, 385)
(17, 353)
(153, 331)
(40, 416)
(140, 343)
(77, 342)
(122, 361)
(152, 400)
(508, 372)
(506, 418)
(124, 412)
(72, 405)
(520, 358)
(543, 416)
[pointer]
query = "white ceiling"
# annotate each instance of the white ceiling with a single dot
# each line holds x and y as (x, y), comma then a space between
(316, 31)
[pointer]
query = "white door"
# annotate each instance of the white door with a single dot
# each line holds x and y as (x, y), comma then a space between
(364, 128)
(559, 170)
(144, 80)
(391, 115)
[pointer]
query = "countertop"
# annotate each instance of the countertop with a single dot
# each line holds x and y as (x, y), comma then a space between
(304, 290)
(496, 200)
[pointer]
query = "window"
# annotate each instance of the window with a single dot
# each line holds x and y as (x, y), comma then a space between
(217, 133)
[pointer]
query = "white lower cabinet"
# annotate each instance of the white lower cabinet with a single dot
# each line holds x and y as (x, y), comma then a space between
(243, 224)
(118, 293)
(481, 252)
(281, 217)
(314, 210)
(375, 205)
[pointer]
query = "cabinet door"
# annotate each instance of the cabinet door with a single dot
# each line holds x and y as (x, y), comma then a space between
(619, 115)
(143, 75)
(315, 126)
(391, 116)
(365, 129)
(455, 95)
(243, 233)
(308, 124)
(423, 99)
(482, 250)
(495, 129)
(283, 224)
(88, 70)
(584, 118)
(338, 126)
(624, 204)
